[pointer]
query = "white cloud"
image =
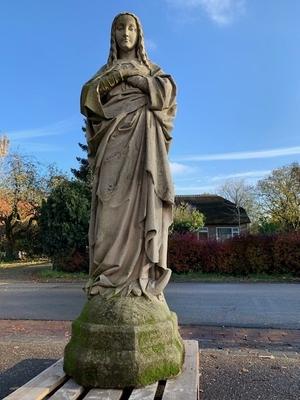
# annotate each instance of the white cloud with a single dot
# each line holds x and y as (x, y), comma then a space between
(222, 12)
(178, 169)
(150, 45)
(243, 155)
(58, 128)
(248, 174)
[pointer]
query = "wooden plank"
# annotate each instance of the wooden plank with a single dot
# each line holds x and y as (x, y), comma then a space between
(69, 391)
(40, 386)
(146, 393)
(103, 394)
(185, 386)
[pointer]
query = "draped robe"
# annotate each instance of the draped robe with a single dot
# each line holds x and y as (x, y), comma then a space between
(128, 135)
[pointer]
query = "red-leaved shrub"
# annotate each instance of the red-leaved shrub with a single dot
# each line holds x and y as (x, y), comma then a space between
(287, 253)
(183, 252)
(249, 254)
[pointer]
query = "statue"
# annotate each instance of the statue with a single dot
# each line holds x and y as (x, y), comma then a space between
(129, 107)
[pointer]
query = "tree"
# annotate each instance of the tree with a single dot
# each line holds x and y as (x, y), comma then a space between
(22, 188)
(64, 220)
(279, 196)
(83, 173)
(242, 195)
(187, 219)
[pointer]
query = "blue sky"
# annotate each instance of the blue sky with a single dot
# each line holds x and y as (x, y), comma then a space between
(236, 64)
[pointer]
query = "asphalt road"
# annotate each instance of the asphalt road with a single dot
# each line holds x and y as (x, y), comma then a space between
(240, 304)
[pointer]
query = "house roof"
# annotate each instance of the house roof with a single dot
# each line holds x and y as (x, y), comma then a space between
(216, 209)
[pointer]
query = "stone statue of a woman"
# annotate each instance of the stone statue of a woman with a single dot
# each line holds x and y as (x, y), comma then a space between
(126, 334)
(129, 105)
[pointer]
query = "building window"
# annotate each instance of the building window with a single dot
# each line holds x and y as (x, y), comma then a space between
(227, 233)
(235, 232)
(202, 233)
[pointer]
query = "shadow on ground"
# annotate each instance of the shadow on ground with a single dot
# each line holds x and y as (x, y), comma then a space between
(16, 376)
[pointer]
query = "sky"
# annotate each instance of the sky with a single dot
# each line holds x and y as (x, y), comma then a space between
(236, 64)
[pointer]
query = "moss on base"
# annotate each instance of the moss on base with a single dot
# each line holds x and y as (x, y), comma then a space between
(124, 341)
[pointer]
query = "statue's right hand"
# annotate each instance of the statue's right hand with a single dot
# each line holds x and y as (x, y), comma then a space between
(121, 72)
(108, 81)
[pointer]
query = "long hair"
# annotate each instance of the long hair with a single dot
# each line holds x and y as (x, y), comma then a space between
(140, 46)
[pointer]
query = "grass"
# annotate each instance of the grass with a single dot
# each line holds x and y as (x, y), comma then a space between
(223, 278)
(41, 270)
(49, 274)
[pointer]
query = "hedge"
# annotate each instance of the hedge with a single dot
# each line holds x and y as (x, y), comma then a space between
(244, 255)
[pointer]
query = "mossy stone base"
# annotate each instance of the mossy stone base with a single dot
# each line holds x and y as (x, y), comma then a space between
(124, 341)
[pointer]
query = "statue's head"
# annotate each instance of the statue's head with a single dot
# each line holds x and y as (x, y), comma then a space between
(134, 37)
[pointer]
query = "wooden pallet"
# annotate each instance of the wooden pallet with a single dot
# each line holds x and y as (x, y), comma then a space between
(53, 384)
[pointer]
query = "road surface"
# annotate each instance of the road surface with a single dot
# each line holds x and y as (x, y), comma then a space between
(258, 305)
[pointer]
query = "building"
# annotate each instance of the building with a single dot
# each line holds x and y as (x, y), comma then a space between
(223, 219)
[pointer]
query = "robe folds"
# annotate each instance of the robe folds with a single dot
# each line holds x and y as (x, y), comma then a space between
(128, 135)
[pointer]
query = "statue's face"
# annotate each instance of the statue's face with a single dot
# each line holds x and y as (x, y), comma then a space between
(126, 32)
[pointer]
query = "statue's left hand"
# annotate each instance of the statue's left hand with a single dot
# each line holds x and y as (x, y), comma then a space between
(138, 81)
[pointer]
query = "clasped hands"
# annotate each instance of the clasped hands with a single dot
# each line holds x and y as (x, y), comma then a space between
(138, 81)
(133, 73)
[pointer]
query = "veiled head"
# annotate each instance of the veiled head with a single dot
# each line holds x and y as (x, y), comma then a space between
(139, 42)
(126, 33)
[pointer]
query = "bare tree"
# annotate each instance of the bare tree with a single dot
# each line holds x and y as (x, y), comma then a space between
(242, 195)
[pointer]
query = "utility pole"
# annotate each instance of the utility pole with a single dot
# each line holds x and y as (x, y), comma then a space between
(4, 145)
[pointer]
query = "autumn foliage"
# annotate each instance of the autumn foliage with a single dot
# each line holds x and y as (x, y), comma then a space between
(251, 254)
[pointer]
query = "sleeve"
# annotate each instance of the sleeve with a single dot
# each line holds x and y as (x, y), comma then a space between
(89, 101)
(162, 92)
(162, 100)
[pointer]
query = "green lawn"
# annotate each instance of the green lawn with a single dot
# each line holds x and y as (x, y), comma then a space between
(41, 270)
(48, 274)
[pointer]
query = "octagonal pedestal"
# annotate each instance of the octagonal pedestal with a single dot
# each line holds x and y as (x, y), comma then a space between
(124, 341)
